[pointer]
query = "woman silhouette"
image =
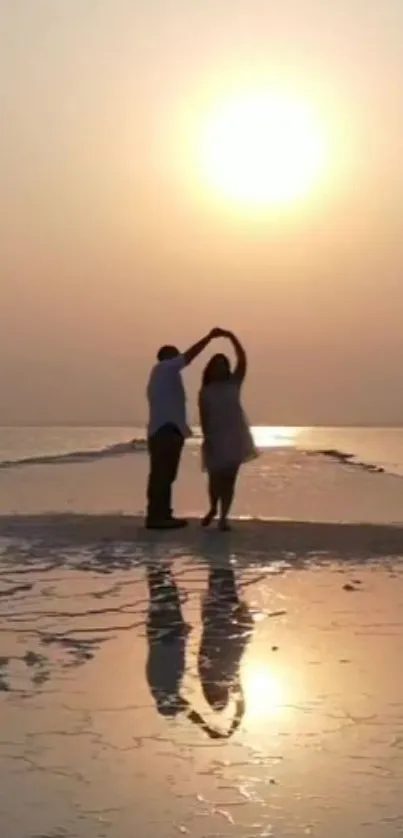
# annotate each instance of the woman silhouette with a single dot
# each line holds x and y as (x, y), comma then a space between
(227, 440)
(227, 630)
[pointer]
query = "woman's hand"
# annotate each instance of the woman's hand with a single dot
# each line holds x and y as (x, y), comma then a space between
(241, 365)
(217, 332)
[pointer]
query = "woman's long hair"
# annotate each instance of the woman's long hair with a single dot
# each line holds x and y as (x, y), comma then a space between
(217, 369)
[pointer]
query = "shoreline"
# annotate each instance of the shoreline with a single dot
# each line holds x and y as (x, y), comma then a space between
(256, 537)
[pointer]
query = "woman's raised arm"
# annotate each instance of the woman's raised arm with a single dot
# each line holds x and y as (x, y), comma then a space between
(241, 359)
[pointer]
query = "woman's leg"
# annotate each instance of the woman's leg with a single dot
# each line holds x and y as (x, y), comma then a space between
(214, 495)
(227, 491)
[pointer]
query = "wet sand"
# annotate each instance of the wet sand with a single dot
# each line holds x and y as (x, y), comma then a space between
(197, 683)
(251, 540)
(106, 730)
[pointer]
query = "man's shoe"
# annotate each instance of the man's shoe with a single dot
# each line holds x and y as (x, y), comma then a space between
(166, 524)
(178, 523)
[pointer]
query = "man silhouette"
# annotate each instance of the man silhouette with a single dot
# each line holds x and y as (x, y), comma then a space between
(168, 429)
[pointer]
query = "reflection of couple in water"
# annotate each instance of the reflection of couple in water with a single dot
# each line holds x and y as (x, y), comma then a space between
(227, 440)
(226, 631)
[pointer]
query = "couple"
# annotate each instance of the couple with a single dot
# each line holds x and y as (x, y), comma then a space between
(227, 628)
(227, 440)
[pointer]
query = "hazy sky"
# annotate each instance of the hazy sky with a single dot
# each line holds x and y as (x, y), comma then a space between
(109, 245)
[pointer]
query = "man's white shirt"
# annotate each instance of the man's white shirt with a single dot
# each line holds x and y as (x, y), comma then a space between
(166, 396)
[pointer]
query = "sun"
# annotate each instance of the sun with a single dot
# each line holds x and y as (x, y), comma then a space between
(263, 149)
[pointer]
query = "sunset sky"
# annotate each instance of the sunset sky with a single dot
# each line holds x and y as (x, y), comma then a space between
(130, 216)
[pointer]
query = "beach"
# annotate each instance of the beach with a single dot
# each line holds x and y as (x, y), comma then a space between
(106, 731)
(201, 239)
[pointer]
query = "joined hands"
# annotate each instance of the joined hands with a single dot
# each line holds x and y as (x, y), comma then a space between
(217, 332)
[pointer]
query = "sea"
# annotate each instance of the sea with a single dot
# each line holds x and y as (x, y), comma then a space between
(376, 447)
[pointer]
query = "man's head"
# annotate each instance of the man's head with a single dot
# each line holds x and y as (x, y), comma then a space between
(167, 352)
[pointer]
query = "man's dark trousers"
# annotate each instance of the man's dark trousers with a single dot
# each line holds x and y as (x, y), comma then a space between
(165, 449)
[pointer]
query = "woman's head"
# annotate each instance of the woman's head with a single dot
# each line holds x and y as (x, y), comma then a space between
(217, 369)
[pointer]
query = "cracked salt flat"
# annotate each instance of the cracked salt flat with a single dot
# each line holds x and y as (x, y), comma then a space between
(107, 700)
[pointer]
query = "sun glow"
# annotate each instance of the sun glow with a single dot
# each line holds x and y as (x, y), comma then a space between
(264, 692)
(268, 436)
(262, 149)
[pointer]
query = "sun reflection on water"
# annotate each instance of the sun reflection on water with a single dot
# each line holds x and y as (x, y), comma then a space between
(267, 436)
(265, 691)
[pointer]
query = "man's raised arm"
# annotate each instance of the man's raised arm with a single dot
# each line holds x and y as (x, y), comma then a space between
(198, 347)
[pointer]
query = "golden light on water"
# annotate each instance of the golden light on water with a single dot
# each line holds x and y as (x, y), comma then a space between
(265, 691)
(267, 436)
(263, 149)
